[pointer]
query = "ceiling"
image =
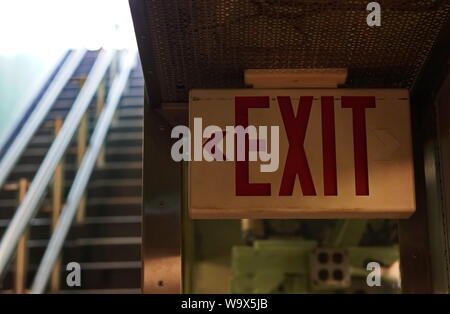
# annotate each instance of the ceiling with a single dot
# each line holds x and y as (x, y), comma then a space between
(209, 43)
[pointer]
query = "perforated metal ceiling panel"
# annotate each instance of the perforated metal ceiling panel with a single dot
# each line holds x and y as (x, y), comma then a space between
(208, 43)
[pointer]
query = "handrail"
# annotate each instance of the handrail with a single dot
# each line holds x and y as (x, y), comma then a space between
(27, 209)
(43, 107)
(82, 177)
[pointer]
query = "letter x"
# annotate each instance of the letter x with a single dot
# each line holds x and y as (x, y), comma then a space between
(296, 162)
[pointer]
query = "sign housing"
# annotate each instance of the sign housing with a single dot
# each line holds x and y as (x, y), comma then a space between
(343, 153)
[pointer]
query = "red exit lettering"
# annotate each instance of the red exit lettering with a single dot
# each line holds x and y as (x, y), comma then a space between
(296, 164)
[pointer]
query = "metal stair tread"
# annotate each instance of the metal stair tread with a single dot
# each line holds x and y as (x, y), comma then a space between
(90, 201)
(89, 242)
(105, 248)
(89, 220)
(113, 136)
(102, 291)
(39, 152)
(111, 265)
(113, 165)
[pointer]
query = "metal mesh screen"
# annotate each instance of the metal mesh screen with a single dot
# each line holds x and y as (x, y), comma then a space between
(208, 43)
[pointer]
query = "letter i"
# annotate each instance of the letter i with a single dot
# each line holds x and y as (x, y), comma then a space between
(329, 146)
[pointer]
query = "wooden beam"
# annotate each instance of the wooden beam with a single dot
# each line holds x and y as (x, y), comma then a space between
(295, 78)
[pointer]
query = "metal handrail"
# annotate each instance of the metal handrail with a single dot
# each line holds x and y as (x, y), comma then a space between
(27, 209)
(42, 108)
(82, 177)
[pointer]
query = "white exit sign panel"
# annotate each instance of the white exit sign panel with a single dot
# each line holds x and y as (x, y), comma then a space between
(343, 153)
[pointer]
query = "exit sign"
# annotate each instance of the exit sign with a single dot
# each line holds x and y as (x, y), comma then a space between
(342, 153)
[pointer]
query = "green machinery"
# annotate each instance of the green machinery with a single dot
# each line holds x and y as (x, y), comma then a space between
(285, 256)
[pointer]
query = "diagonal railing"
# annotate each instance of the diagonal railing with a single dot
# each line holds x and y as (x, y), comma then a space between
(82, 177)
(36, 192)
(43, 107)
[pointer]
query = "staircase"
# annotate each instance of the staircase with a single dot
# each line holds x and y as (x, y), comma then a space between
(107, 242)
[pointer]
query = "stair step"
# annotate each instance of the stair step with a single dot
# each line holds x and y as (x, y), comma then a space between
(127, 102)
(112, 265)
(122, 113)
(111, 206)
(93, 185)
(92, 279)
(110, 170)
(135, 137)
(115, 209)
(102, 291)
(112, 154)
(127, 125)
(115, 201)
(72, 91)
(85, 250)
(108, 166)
(37, 151)
(106, 226)
(87, 221)
(93, 191)
(107, 243)
(107, 278)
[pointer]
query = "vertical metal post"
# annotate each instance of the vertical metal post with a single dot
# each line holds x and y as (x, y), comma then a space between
(114, 67)
(22, 251)
(81, 149)
(418, 246)
(188, 243)
(439, 207)
(58, 185)
(161, 235)
(82, 137)
(98, 109)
